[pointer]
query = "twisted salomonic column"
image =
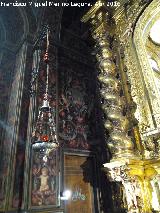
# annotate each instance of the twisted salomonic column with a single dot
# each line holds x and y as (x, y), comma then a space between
(112, 102)
(127, 166)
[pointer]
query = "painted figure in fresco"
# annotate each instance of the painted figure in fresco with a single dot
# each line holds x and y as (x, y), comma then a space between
(44, 191)
(44, 180)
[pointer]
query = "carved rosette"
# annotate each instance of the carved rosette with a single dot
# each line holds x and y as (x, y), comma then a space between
(112, 102)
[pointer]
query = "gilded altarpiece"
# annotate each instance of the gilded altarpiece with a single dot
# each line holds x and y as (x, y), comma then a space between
(135, 65)
(125, 19)
(133, 23)
(132, 35)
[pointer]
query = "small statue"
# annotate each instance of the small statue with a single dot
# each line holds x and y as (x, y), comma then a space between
(132, 192)
(128, 31)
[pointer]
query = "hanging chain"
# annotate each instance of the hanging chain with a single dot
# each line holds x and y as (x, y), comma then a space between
(46, 59)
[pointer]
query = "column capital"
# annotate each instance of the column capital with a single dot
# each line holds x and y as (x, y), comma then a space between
(97, 7)
(99, 18)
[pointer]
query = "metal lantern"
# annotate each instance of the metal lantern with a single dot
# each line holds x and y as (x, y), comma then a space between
(44, 137)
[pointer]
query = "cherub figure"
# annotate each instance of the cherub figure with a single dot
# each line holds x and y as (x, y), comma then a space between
(129, 30)
(127, 33)
(44, 180)
(45, 194)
